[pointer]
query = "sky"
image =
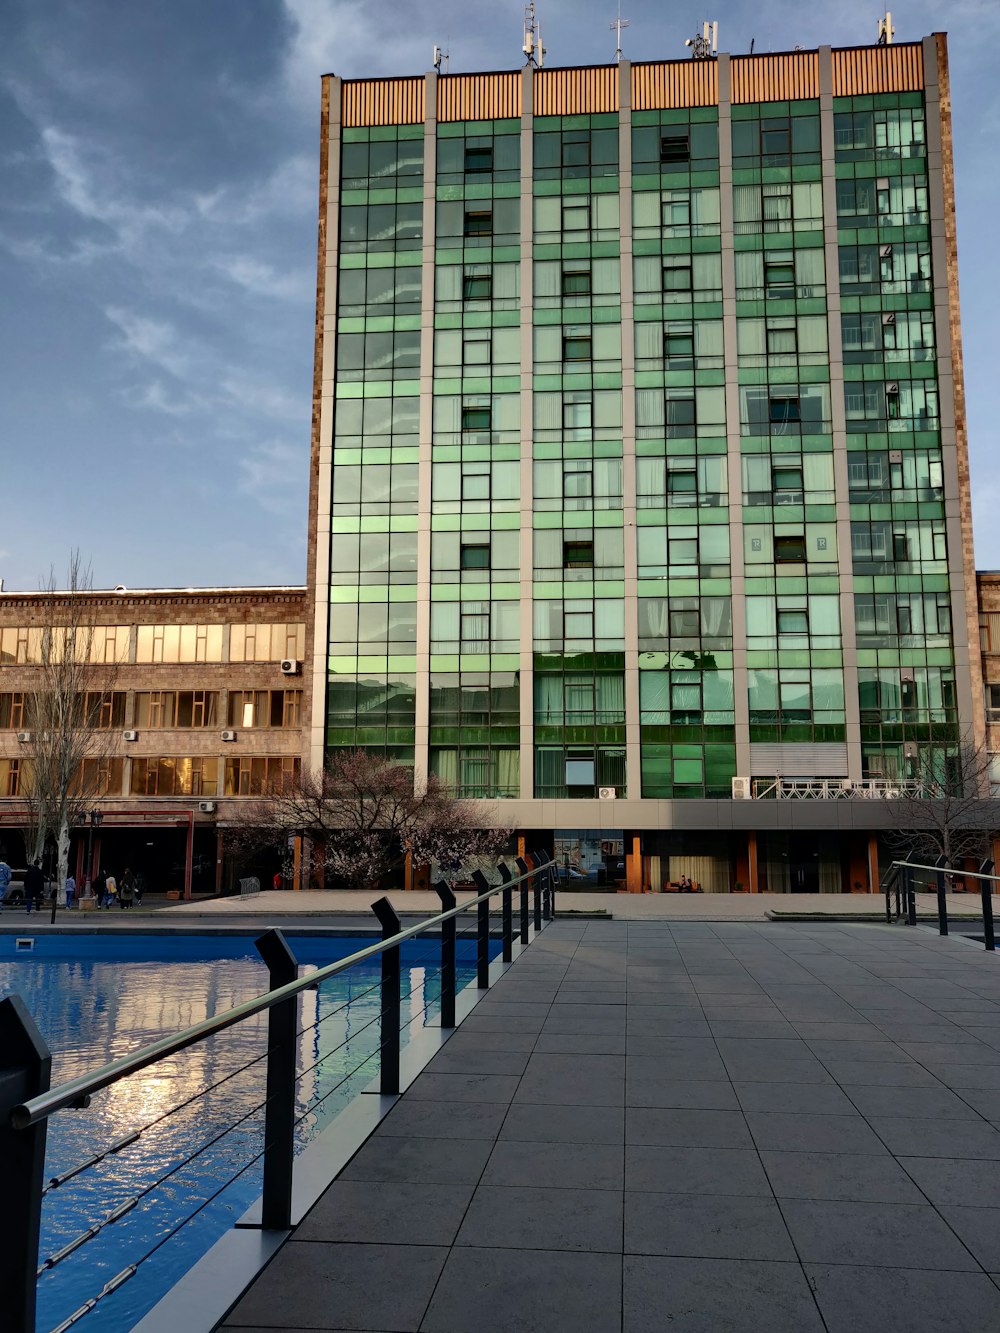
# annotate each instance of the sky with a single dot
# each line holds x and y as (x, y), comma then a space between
(158, 250)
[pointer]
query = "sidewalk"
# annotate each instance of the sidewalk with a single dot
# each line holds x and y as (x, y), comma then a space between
(707, 1128)
(619, 906)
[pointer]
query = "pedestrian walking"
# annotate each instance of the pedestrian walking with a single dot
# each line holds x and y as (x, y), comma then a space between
(110, 890)
(140, 885)
(126, 893)
(34, 887)
(4, 882)
(277, 881)
(70, 887)
(100, 887)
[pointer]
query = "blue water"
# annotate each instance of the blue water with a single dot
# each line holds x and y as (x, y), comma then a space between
(98, 997)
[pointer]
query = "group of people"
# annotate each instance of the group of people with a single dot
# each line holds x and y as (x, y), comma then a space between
(127, 891)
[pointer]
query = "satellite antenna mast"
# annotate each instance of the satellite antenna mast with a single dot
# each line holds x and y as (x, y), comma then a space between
(440, 56)
(705, 46)
(617, 25)
(886, 31)
(533, 48)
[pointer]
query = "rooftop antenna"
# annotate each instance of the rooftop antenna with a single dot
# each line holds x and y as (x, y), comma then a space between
(886, 31)
(440, 56)
(618, 24)
(533, 48)
(705, 47)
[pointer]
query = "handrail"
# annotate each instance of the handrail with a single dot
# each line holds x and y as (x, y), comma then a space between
(77, 1090)
(948, 870)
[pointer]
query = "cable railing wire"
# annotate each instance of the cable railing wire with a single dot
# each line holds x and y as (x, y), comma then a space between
(329, 1093)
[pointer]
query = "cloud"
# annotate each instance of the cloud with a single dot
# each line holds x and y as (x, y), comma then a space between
(148, 339)
(273, 475)
(258, 278)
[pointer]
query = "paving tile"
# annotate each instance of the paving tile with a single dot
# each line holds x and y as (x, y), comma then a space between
(882, 1235)
(871, 1073)
(557, 1165)
(702, 1128)
(495, 1007)
(865, 1299)
(858, 1050)
(711, 1226)
(569, 1023)
(934, 1053)
(427, 1119)
(695, 1171)
(962, 1076)
(801, 1132)
(940, 1138)
(563, 1124)
(559, 1043)
(521, 1217)
(979, 1229)
(497, 1022)
(716, 1296)
(527, 1291)
(950, 1181)
(857, 1177)
(814, 1098)
(751, 1067)
(444, 1161)
(758, 1029)
(465, 1060)
(463, 1087)
(387, 1213)
(840, 1031)
(320, 1286)
(678, 1057)
(894, 1104)
(666, 1022)
(986, 1101)
(573, 1080)
(680, 1092)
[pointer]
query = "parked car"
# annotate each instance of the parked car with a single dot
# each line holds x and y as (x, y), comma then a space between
(14, 896)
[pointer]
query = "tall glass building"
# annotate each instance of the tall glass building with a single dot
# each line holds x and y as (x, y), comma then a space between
(640, 498)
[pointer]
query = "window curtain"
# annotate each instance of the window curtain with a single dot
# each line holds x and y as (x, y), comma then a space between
(548, 279)
(549, 700)
(746, 208)
(550, 771)
(654, 697)
(716, 617)
(649, 341)
(610, 698)
(508, 775)
(653, 617)
(444, 765)
(608, 478)
(548, 411)
(651, 477)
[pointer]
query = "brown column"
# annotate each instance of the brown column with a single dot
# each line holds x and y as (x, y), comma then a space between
(633, 863)
(408, 872)
(752, 861)
(189, 859)
(219, 849)
(873, 873)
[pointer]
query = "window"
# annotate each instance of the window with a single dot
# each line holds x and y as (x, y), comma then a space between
(475, 627)
(478, 222)
(775, 141)
(477, 346)
(577, 414)
(678, 349)
(676, 212)
(675, 145)
(900, 547)
(578, 480)
(576, 282)
(677, 276)
(787, 479)
(790, 550)
(685, 702)
(576, 149)
(781, 340)
(578, 555)
(578, 625)
(793, 622)
(475, 556)
(476, 418)
(478, 159)
(685, 622)
(682, 485)
(577, 347)
(477, 286)
(680, 417)
(576, 214)
(783, 408)
(476, 485)
(779, 277)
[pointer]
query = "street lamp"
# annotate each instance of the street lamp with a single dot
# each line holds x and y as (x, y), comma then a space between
(95, 822)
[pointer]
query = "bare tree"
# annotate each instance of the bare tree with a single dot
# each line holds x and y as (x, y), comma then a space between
(69, 709)
(363, 816)
(945, 809)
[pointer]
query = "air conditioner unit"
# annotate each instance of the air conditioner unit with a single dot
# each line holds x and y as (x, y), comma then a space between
(229, 735)
(24, 737)
(741, 789)
(291, 666)
(206, 807)
(607, 793)
(130, 735)
(910, 749)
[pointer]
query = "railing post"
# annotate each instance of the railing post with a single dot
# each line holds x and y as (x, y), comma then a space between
(524, 865)
(888, 903)
(279, 1117)
(447, 956)
(553, 884)
(389, 1023)
(942, 899)
(508, 927)
(25, 1068)
(911, 899)
(483, 945)
(986, 894)
(537, 886)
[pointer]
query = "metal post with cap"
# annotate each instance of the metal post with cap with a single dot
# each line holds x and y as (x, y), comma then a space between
(389, 1032)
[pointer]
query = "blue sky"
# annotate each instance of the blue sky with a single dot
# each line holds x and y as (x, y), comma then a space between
(157, 251)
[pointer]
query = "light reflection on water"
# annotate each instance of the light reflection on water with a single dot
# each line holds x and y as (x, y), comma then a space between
(93, 1010)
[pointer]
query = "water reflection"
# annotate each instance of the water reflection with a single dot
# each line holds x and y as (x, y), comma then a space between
(92, 1011)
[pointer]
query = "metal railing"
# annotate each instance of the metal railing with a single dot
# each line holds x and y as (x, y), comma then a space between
(249, 886)
(834, 789)
(900, 879)
(27, 1101)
